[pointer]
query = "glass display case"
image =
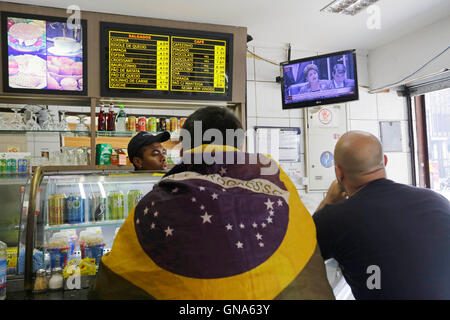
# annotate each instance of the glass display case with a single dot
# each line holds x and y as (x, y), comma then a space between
(67, 214)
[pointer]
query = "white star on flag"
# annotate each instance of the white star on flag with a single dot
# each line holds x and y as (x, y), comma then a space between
(269, 220)
(239, 245)
(271, 212)
(193, 199)
(215, 196)
(261, 244)
(202, 207)
(254, 225)
(152, 226)
(242, 226)
(168, 231)
(258, 236)
(153, 203)
(202, 188)
(224, 190)
(263, 225)
(145, 211)
(137, 221)
(223, 171)
(269, 204)
(206, 217)
(280, 203)
(155, 214)
(229, 227)
(175, 190)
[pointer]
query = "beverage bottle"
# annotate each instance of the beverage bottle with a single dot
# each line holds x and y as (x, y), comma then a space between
(3, 266)
(102, 118)
(111, 122)
(121, 121)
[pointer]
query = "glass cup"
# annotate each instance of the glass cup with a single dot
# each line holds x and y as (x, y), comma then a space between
(16, 123)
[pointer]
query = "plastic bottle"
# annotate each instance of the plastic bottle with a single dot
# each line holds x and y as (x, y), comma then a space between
(121, 121)
(3, 266)
(102, 118)
(111, 123)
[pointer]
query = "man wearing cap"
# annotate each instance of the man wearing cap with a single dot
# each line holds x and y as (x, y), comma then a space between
(146, 151)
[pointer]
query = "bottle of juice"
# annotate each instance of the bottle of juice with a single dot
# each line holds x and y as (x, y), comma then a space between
(102, 118)
(111, 122)
(3, 266)
(121, 121)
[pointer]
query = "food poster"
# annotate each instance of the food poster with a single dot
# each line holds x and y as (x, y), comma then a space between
(44, 55)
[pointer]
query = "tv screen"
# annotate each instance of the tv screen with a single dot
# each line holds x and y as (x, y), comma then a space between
(318, 80)
(43, 54)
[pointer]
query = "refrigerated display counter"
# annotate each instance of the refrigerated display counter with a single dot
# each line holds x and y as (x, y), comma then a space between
(69, 219)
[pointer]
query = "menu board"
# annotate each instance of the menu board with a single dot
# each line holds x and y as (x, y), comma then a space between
(155, 62)
(44, 54)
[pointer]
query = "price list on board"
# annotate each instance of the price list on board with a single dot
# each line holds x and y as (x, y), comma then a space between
(198, 65)
(139, 61)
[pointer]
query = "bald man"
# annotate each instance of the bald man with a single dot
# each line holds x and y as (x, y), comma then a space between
(392, 241)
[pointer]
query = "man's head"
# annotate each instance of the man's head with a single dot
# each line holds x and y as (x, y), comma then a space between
(218, 119)
(358, 159)
(146, 152)
(339, 73)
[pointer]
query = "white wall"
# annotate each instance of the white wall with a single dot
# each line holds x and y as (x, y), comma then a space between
(396, 60)
(264, 109)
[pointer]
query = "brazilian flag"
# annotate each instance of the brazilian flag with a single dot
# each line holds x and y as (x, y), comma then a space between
(229, 230)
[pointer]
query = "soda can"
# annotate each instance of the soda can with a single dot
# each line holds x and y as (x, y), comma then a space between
(133, 197)
(11, 165)
(173, 124)
(22, 165)
(76, 206)
(3, 166)
(182, 121)
(141, 124)
(131, 123)
(152, 124)
(116, 205)
(168, 125)
(97, 207)
(56, 203)
(162, 124)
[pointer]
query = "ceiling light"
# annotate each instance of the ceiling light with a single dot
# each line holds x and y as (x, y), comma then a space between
(349, 7)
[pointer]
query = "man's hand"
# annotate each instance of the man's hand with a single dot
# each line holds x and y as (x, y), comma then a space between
(335, 194)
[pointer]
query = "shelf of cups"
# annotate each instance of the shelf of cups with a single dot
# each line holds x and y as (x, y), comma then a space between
(43, 131)
(104, 223)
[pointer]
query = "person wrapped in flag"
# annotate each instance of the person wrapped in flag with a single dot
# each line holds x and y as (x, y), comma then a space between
(221, 225)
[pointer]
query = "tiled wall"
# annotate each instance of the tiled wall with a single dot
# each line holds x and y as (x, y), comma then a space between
(264, 109)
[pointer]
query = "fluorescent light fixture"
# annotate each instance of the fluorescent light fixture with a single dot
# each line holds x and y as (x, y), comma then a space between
(82, 193)
(102, 190)
(349, 7)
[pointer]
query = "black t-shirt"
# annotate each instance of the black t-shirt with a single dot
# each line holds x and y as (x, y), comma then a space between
(403, 230)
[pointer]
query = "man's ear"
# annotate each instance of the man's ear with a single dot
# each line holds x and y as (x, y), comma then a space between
(385, 160)
(339, 173)
(137, 162)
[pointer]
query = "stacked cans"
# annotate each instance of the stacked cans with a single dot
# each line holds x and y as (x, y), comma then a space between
(75, 206)
(116, 209)
(56, 208)
(97, 207)
(133, 197)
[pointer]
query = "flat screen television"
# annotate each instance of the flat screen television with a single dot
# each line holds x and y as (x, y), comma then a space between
(43, 54)
(319, 80)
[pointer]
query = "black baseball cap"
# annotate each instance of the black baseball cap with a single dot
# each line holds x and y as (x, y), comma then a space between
(144, 139)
